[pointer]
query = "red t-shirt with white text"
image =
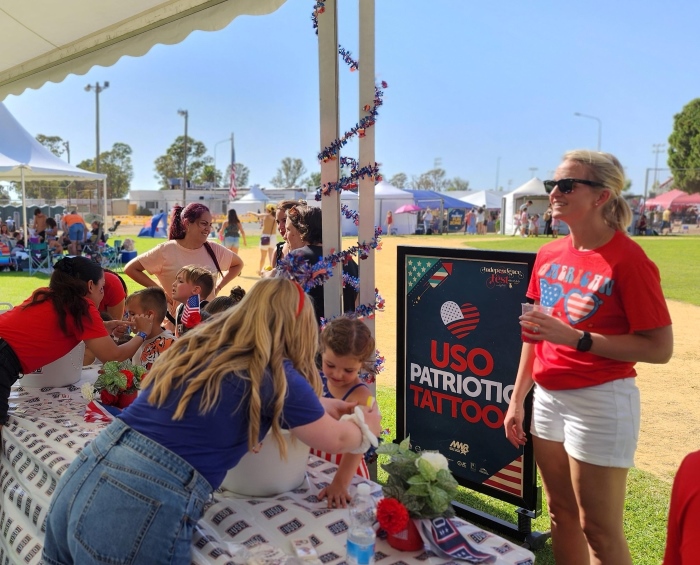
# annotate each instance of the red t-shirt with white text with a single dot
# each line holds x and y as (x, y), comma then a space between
(612, 290)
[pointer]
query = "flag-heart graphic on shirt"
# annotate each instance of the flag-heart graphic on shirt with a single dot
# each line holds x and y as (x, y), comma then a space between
(579, 306)
(460, 320)
(550, 293)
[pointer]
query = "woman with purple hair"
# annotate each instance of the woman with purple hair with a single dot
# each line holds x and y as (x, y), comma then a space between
(187, 245)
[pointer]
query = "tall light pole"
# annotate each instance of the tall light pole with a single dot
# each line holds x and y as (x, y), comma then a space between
(600, 124)
(656, 148)
(97, 87)
(185, 114)
(533, 170)
(66, 144)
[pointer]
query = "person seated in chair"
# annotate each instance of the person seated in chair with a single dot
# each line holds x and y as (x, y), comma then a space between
(642, 225)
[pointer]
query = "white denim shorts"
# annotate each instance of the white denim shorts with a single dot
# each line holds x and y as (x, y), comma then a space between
(597, 425)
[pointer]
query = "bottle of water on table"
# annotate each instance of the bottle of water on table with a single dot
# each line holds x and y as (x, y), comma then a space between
(361, 536)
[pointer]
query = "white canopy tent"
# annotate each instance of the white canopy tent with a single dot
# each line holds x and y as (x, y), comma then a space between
(484, 199)
(23, 158)
(44, 40)
(388, 197)
(254, 201)
(531, 190)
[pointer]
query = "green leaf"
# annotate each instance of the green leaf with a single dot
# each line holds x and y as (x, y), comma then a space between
(419, 490)
(427, 470)
(388, 449)
(405, 445)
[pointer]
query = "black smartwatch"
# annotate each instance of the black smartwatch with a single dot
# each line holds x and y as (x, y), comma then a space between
(584, 342)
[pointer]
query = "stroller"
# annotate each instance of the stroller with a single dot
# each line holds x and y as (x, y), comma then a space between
(114, 226)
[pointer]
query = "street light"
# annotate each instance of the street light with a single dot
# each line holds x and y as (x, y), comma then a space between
(533, 170)
(66, 144)
(600, 124)
(656, 148)
(97, 87)
(185, 114)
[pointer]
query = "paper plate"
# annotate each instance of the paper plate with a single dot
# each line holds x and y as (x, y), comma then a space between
(62, 372)
(265, 473)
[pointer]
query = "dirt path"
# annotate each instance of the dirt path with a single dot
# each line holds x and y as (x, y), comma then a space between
(670, 419)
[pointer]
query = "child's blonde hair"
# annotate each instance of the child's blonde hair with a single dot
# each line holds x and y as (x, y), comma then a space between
(199, 276)
(346, 336)
(273, 322)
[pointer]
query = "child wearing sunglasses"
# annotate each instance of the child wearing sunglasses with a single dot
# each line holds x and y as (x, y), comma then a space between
(608, 313)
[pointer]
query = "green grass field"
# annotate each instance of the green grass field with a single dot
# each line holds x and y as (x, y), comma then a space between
(678, 259)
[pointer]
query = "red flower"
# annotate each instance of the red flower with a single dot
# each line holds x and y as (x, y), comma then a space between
(129, 378)
(108, 398)
(392, 515)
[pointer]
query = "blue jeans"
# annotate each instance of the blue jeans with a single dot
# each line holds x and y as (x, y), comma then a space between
(125, 499)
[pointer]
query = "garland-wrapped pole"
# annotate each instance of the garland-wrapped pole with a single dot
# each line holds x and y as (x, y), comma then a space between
(330, 130)
(367, 155)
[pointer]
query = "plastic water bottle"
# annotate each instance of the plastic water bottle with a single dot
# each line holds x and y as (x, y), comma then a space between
(361, 537)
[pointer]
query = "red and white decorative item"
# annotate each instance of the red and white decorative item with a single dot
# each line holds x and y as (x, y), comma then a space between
(117, 385)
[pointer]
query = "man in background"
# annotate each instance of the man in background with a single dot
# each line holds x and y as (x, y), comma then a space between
(74, 225)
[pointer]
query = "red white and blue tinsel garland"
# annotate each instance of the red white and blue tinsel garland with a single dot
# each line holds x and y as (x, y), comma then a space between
(297, 268)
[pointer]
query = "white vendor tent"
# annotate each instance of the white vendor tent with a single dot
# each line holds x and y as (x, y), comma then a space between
(23, 158)
(531, 190)
(484, 199)
(387, 197)
(254, 202)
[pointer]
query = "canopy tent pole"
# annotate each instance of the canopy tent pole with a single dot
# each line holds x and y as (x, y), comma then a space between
(24, 209)
(367, 155)
(330, 170)
(104, 199)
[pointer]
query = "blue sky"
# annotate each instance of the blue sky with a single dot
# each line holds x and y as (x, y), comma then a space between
(469, 83)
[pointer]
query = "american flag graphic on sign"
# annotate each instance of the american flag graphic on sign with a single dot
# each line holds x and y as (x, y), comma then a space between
(438, 276)
(508, 479)
(190, 314)
(460, 320)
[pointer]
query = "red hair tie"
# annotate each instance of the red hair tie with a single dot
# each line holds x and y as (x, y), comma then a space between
(301, 298)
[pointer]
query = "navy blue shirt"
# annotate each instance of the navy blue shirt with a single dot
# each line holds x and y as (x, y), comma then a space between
(214, 442)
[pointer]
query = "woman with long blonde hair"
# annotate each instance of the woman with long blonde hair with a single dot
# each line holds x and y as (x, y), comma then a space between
(207, 400)
(609, 313)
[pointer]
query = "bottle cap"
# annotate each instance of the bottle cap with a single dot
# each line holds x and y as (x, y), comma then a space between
(363, 489)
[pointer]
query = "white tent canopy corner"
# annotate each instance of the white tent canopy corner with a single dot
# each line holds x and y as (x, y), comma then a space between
(45, 41)
(484, 199)
(23, 158)
(531, 190)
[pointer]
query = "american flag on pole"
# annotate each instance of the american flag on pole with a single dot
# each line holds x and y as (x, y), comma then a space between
(232, 181)
(190, 313)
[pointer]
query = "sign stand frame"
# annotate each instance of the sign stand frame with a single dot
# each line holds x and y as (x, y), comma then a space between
(529, 504)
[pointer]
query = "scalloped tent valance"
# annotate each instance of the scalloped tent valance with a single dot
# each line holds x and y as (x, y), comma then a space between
(45, 40)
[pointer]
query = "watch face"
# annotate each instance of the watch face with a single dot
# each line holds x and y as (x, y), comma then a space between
(585, 342)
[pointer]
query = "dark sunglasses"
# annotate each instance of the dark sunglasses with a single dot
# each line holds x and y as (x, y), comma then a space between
(566, 186)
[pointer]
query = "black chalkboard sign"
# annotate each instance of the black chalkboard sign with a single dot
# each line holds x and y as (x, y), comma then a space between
(458, 349)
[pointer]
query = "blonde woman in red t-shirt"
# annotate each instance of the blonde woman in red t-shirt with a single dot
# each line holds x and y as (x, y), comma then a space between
(608, 313)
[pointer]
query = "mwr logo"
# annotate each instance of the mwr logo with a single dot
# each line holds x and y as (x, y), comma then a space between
(459, 447)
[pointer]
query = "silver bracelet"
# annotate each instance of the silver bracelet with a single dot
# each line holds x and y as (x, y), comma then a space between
(368, 438)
